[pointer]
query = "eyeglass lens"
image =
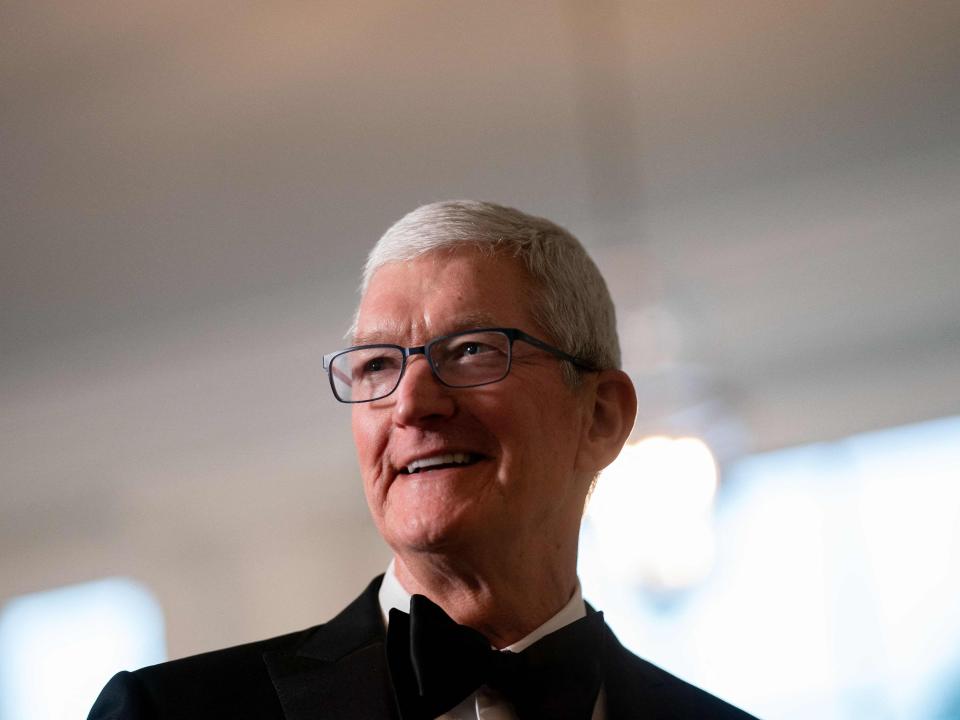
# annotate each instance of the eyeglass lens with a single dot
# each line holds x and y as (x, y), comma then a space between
(463, 360)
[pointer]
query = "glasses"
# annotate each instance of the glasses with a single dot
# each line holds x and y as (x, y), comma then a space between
(471, 358)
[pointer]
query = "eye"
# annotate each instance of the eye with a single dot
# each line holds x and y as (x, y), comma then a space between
(373, 365)
(476, 348)
(469, 352)
(369, 367)
(471, 348)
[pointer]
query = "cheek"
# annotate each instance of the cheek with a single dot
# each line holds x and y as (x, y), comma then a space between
(369, 437)
(552, 438)
(531, 444)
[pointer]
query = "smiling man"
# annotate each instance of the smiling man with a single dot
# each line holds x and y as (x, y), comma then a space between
(486, 395)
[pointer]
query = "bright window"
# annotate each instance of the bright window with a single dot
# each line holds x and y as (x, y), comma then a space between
(59, 647)
(833, 587)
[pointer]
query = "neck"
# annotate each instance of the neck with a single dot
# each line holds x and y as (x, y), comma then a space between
(504, 601)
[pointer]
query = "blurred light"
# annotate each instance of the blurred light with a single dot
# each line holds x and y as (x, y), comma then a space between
(651, 512)
(58, 648)
(835, 585)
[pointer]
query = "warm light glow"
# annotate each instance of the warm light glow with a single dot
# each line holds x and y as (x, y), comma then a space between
(651, 512)
(59, 647)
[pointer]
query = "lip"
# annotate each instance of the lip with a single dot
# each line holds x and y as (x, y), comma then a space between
(399, 468)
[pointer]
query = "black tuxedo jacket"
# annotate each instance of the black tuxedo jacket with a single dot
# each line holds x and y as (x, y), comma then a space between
(338, 671)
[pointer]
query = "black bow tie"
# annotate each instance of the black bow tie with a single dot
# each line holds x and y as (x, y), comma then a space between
(435, 663)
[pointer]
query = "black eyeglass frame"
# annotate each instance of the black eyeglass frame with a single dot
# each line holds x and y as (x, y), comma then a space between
(512, 334)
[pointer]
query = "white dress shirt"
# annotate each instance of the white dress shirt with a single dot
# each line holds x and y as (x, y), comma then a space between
(486, 703)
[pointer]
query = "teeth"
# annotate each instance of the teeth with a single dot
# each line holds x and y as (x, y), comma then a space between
(449, 459)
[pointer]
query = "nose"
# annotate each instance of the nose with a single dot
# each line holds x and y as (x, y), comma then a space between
(420, 397)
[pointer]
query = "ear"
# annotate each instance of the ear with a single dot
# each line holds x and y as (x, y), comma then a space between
(613, 413)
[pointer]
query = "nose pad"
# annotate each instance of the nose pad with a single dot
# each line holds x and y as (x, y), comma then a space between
(421, 395)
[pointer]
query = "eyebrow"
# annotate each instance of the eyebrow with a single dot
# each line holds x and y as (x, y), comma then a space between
(389, 332)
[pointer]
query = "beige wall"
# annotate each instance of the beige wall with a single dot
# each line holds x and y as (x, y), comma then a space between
(190, 188)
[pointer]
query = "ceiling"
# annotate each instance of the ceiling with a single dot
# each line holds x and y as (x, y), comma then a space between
(189, 190)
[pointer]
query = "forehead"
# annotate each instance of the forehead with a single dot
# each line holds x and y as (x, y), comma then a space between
(438, 293)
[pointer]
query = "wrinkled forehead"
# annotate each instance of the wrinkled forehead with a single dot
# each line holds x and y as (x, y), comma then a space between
(442, 292)
(388, 329)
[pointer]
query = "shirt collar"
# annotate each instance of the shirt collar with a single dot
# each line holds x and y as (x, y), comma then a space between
(393, 595)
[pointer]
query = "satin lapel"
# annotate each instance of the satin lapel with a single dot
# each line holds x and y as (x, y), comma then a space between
(628, 687)
(340, 671)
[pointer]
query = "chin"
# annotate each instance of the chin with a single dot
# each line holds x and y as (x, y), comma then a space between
(429, 533)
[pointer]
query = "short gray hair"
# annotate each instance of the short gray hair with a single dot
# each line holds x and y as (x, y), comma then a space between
(570, 299)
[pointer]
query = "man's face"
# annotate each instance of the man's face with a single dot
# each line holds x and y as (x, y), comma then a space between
(519, 437)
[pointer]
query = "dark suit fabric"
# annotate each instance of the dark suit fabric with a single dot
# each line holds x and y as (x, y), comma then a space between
(338, 671)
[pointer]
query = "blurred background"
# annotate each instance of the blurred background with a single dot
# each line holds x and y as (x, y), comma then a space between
(772, 190)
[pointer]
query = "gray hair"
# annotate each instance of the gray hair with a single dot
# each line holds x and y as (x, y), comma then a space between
(570, 300)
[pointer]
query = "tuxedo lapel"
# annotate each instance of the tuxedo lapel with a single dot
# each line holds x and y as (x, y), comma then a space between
(637, 689)
(634, 687)
(622, 691)
(340, 670)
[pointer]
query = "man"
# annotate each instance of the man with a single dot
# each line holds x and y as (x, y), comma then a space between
(486, 396)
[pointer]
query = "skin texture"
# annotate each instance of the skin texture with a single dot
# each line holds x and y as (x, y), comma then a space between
(494, 543)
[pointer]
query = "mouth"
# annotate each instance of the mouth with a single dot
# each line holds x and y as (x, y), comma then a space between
(440, 462)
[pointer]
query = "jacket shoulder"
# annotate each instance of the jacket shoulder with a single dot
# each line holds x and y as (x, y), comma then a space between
(237, 682)
(637, 687)
(232, 682)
